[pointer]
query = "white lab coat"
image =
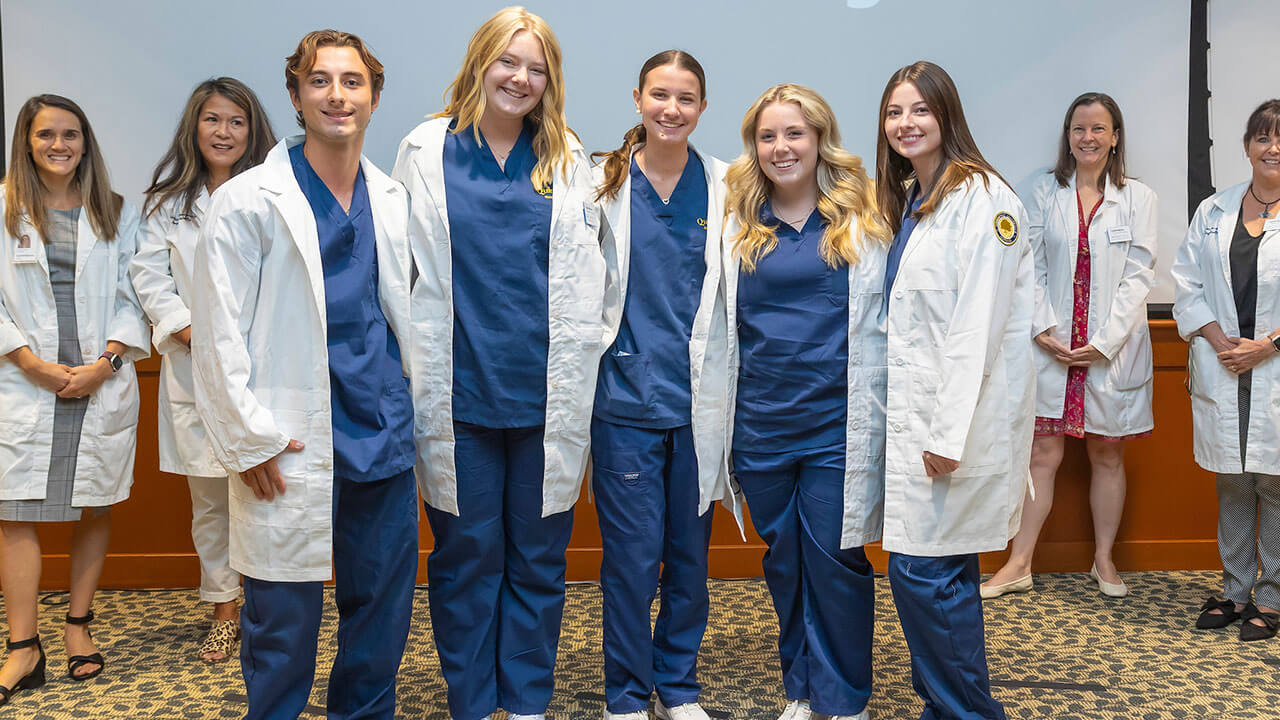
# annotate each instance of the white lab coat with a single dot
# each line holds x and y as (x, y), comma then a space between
(576, 288)
(1202, 277)
(106, 310)
(862, 520)
(259, 339)
(161, 274)
(708, 362)
(1122, 255)
(961, 377)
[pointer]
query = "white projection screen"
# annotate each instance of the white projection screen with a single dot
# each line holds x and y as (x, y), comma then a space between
(1018, 63)
(1237, 40)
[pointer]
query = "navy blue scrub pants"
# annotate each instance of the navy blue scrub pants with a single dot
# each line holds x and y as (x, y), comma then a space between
(941, 615)
(496, 576)
(375, 564)
(824, 596)
(646, 494)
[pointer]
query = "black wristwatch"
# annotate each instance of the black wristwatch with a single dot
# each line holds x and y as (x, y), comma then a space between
(116, 361)
(1275, 343)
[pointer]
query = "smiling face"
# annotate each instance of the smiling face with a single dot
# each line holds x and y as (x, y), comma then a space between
(222, 133)
(669, 103)
(787, 148)
(514, 83)
(912, 129)
(57, 144)
(1263, 151)
(335, 96)
(1091, 135)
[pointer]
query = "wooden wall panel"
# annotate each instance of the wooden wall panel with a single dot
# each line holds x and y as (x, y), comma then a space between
(1170, 517)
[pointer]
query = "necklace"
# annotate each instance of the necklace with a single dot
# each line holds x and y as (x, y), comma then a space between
(792, 221)
(1266, 206)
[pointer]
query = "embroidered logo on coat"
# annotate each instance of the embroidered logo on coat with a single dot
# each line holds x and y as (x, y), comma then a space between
(702, 223)
(1006, 228)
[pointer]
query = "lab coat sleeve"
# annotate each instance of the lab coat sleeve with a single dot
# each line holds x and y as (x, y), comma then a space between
(153, 282)
(11, 336)
(984, 296)
(1190, 306)
(128, 324)
(1128, 307)
(1041, 196)
(613, 300)
(225, 281)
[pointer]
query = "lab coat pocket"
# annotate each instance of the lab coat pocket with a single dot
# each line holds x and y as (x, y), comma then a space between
(1206, 374)
(19, 397)
(1131, 367)
(117, 400)
(293, 466)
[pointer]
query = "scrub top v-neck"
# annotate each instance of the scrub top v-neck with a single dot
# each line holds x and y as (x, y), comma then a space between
(499, 230)
(644, 377)
(793, 337)
(369, 395)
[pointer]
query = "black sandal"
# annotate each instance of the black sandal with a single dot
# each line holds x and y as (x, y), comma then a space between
(1251, 631)
(75, 662)
(31, 680)
(1210, 620)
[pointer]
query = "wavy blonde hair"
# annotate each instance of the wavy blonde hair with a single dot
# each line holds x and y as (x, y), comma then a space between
(845, 193)
(465, 98)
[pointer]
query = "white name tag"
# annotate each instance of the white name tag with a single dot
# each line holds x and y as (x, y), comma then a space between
(1119, 234)
(1272, 224)
(24, 253)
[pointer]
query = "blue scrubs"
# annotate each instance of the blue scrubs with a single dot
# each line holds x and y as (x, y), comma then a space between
(645, 472)
(788, 458)
(496, 573)
(938, 601)
(375, 540)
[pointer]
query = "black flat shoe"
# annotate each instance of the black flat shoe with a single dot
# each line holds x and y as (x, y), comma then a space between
(75, 662)
(1210, 620)
(31, 680)
(1251, 631)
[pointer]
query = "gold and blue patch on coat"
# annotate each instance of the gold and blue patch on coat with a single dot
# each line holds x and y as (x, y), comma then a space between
(1006, 228)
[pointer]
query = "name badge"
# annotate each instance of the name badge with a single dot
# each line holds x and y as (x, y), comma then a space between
(1119, 234)
(1272, 224)
(25, 252)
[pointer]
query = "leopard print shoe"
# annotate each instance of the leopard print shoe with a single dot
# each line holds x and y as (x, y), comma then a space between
(222, 638)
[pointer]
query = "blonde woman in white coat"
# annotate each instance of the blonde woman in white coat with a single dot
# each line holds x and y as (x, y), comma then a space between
(508, 328)
(1093, 231)
(960, 292)
(1227, 305)
(223, 131)
(70, 329)
(658, 426)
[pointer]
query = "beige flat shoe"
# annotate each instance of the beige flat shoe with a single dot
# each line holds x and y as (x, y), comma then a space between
(1115, 590)
(1022, 584)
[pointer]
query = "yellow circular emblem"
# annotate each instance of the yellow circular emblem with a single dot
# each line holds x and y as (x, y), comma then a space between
(1006, 228)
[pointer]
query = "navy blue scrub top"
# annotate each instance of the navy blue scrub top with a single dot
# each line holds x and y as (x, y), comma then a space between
(368, 393)
(500, 229)
(914, 199)
(793, 337)
(644, 378)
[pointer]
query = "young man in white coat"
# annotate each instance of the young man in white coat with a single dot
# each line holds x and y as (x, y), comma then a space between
(301, 288)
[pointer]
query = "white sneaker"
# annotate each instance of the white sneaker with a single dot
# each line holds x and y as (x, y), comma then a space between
(860, 716)
(687, 711)
(637, 715)
(796, 710)
(539, 716)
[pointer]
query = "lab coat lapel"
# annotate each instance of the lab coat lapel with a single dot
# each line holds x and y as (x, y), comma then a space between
(285, 194)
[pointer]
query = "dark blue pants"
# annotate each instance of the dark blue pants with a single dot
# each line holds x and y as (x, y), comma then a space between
(375, 563)
(941, 615)
(646, 493)
(496, 576)
(824, 596)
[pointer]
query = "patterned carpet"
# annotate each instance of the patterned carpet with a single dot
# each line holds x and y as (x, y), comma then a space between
(1063, 651)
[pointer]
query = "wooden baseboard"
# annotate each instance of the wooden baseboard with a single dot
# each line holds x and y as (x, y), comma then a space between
(182, 570)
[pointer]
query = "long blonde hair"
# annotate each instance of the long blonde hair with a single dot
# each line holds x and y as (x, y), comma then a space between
(465, 98)
(845, 193)
(182, 172)
(24, 192)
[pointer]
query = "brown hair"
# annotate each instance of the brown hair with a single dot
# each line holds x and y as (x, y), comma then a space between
(845, 196)
(617, 162)
(1115, 167)
(303, 60)
(24, 191)
(183, 167)
(1264, 120)
(465, 98)
(960, 155)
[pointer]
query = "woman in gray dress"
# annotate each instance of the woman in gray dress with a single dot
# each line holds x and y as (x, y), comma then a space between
(70, 327)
